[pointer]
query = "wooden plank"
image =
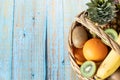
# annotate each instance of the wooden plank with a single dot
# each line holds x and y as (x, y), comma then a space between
(55, 40)
(6, 29)
(29, 40)
(70, 11)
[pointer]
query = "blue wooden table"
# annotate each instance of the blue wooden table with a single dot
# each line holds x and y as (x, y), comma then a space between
(33, 38)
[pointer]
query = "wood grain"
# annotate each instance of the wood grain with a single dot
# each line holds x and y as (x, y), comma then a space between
(70, 12)
(33, 39)
(6, 30)
(61, 13)
(55, 40)
(29, 40)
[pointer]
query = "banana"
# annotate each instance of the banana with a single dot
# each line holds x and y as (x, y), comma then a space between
(109, 65)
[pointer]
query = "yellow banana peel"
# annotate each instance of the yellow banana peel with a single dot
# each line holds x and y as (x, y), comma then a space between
(109, 65)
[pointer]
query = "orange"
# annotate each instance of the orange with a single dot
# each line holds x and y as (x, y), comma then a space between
(94, 49)
(79, 57)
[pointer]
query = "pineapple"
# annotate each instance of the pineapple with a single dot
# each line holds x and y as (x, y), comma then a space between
(101, 11)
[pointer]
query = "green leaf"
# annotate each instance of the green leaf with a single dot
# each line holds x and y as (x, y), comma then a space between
(103, 5)
(90, 5)
(101, 11)
(111, 1)
(94, 1)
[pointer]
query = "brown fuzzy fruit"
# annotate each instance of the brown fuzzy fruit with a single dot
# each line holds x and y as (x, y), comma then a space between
(79, 36)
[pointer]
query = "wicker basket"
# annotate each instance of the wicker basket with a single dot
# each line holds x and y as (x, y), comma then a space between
(82, 20)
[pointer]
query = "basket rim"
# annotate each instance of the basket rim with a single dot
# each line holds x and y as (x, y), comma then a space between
(81, 19)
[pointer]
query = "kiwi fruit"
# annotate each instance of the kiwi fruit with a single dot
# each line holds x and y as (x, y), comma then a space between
(88, 69)
(79, 36)
(112, 33)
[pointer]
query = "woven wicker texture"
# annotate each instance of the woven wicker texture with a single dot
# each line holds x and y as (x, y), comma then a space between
(81, 19)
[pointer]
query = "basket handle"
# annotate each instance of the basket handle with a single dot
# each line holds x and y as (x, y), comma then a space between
(97, 30)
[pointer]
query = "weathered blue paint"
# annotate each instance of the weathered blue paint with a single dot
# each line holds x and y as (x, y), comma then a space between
(55, 40)
(6, 26)
(29, 40)
(33, 39)
(71, 9)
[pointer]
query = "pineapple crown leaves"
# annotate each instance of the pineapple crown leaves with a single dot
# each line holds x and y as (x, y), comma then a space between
(101, 11)
(95, 3)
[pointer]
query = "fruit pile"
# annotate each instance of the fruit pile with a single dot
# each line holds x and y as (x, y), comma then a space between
(93, 55)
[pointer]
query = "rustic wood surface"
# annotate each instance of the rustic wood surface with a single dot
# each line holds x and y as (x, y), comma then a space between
(33, 39)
